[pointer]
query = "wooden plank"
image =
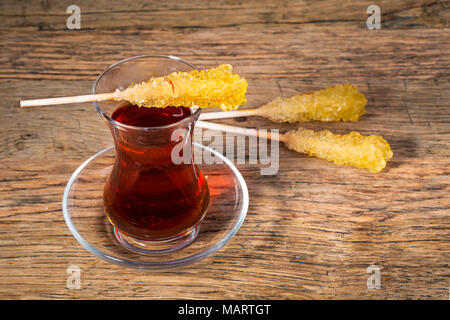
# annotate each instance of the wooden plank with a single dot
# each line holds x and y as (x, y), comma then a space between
(276, 53)
(314, 228)
(51, 15)
(314, 239)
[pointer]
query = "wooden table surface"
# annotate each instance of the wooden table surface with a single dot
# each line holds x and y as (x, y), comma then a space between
(313, 229)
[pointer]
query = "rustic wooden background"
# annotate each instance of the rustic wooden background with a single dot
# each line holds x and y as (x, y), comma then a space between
(314, 228)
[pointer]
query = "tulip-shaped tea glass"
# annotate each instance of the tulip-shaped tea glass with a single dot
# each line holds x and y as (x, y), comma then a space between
(155, 196)
(142, 203)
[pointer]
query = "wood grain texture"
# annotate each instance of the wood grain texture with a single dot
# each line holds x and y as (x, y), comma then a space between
(141, 14)
(311, 230)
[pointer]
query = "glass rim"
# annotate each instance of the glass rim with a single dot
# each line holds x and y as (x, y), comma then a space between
(195, 112)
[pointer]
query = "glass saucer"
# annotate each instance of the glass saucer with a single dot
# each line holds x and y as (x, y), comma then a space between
(85, 217)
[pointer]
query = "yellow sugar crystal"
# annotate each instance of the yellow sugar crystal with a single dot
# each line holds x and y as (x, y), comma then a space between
(217, 87)
(338, 103)
(370, 152)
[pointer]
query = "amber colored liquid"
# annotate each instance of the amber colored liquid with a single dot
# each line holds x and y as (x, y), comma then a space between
(147, 196)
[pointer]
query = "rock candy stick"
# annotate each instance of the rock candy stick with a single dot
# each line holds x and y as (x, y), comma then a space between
(369, 152)
(339, 103)
(217, 87)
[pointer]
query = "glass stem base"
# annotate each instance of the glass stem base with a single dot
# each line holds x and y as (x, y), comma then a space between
(147, 247)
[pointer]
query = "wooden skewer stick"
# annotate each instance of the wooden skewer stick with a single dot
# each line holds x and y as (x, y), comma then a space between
(238, 130)
(230, 114)
(66, 100)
